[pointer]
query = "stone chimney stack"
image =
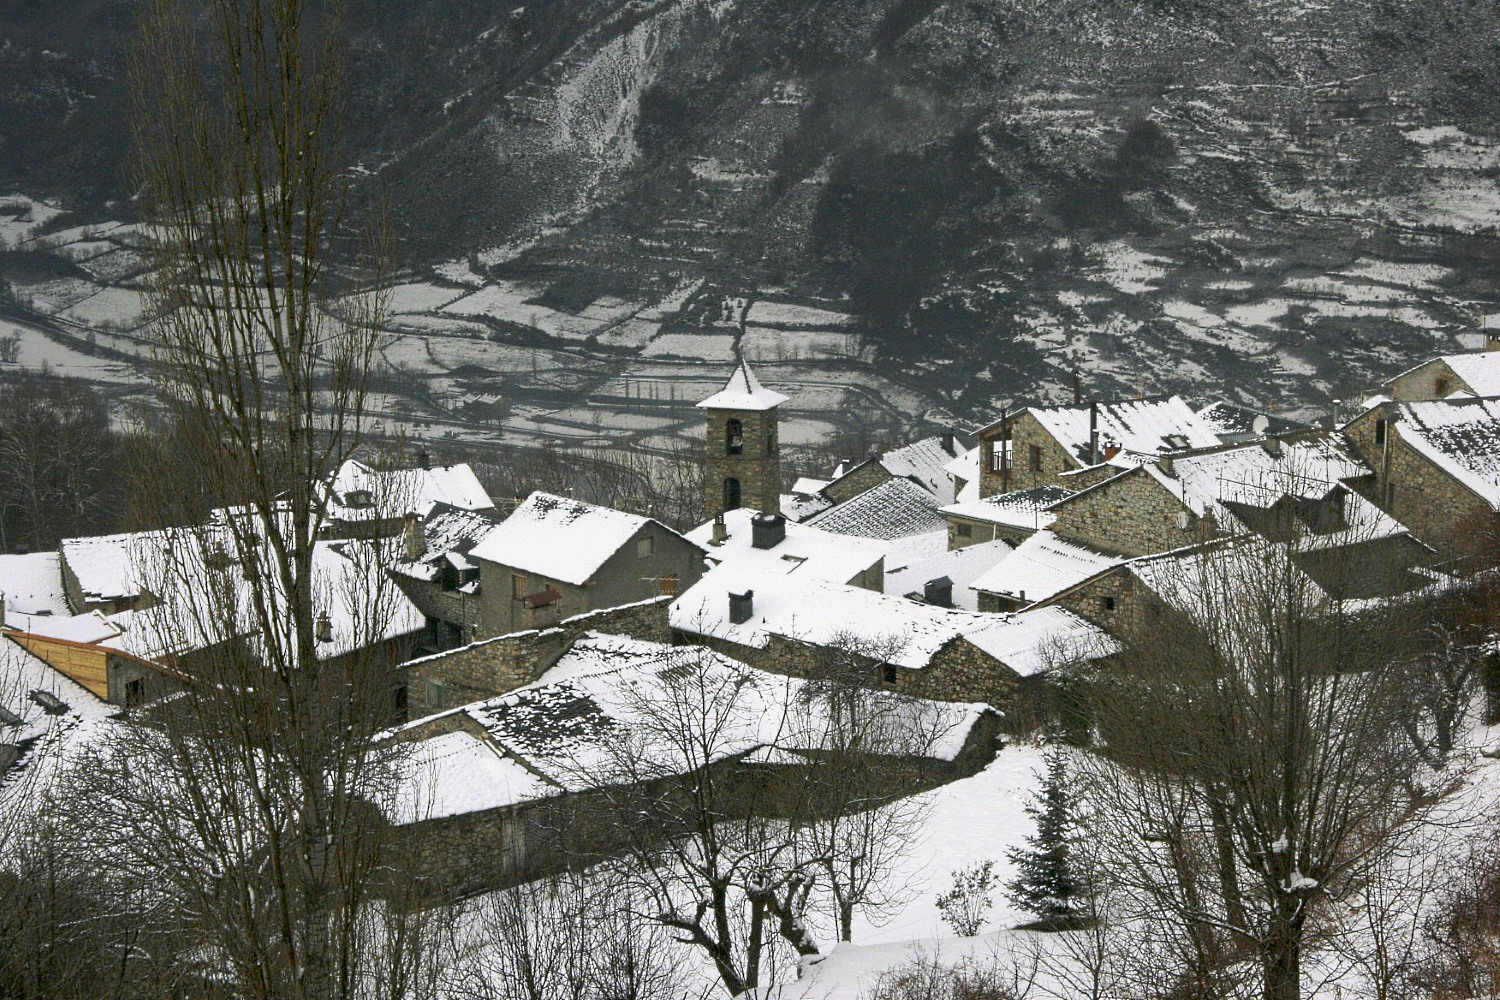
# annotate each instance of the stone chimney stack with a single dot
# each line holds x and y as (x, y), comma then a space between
(767, 530)
(721, 530)
(323, 627)
(741, 607)
(413, 538)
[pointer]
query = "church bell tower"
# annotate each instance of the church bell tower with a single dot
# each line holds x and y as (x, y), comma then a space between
(744, 455)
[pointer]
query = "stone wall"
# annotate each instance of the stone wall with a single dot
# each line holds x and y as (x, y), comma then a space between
(1111, 600)
(757, 466)
(451, 606)
(1423, 381)
(494, 666)
(863, 477)
(1132, 515)
(1436, 507)
(1025, 432)
(983, 531)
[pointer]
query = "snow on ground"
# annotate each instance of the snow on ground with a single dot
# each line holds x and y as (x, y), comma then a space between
(21, 216)
(422, 296)
(122, 307)
(38, 349)
(704, 346)
(1130, 270)
(786, 316)
(766, 344)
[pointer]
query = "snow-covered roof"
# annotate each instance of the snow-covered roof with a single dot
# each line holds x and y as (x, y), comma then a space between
(961, 566)
(799, 507)
(807, 485)
(596, 716)
(903, 632)
(559, 538)
(1043, 566)
(1480, 370)
(360, 493)
(1254, 476)
(896, 508)
(1233, 422)
(87, 628)
(966, 468)
(33, 583)
(110, 567)
(1030, 642)
(743, 391)
(1141, 428)
(1462, 437)
(45, 738)
(449, 534)
(925, 462)
(805, 552)
(1017, 509)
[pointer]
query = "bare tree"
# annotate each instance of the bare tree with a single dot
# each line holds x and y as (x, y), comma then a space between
(250, 799)
(1255, 766)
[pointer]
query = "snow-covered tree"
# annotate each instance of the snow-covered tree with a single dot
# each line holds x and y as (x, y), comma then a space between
(1047, 881)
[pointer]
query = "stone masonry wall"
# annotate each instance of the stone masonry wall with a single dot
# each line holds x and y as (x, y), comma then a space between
(1422, 382)
(865, 476)
(1025, 431)
(1436, 507)
(494, 666)
(1129, 515)
(757, 467)
(983, 531)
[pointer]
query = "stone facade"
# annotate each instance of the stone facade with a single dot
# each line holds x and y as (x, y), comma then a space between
(1434, 380)
(1132, 515)
(655, 561)
(959, 671)
(453, 617)
(863, 477)
(494, 666)
(983, 531)
(457, 856)
(1037, 459)
(754, 468)
(1437, 508)
(1113, 600)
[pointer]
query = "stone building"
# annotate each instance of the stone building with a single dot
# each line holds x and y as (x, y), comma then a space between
(742, 449)
(1051, 446)
(1436, 467)
(437, 575)
(556, 557)
(1011, 517)
(1476, 373)
(810, 627)
(529, 783)
(363, 502)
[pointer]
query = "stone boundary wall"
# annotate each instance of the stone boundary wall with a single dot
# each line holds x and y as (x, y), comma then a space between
(492, 667)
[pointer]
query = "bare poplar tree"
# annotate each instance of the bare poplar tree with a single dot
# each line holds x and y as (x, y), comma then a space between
(1255, 767)
(249, 799)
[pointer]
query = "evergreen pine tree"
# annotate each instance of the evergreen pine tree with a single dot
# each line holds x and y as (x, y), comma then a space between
(1046, 883)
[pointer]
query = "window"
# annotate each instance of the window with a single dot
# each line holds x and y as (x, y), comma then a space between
(964, 530)
(888, 673)
(432, 691)
(771, 441)
(517, 586)
(731, 494)
(135, 692)
(644, 547)
(1380, 431)
(1442, 387)
(1036, 458)
(666, 586)
(734, 437)
(1107, 603)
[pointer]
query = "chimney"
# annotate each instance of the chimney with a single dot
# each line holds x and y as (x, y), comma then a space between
(1094, 433)
(324, 628)
(2, 609)
(1491, 339)
(938, 592)
(1077, 388)
(413, 537)
(767, 530)
(1272, 446)
(1167, 468)
(1337, 405)
(721, 530)
(948, 444)
(423, 459)
(741, 607)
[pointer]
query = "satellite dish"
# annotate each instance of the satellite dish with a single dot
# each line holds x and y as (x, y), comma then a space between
(1260, 424)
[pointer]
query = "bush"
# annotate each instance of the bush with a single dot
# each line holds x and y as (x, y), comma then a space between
(926, 978)
(967, 904)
